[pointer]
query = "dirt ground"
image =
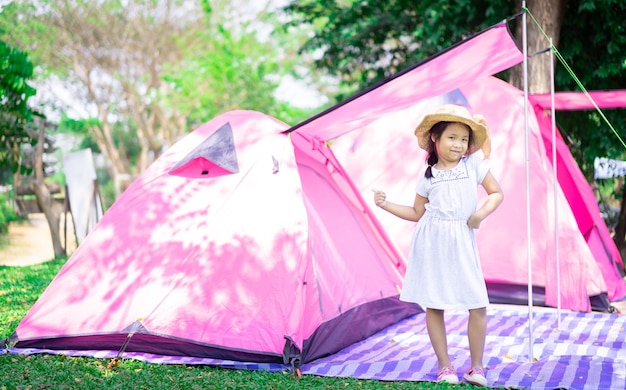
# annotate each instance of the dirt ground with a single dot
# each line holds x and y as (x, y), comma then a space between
(29, 242)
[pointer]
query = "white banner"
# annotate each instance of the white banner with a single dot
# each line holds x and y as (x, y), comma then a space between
(605, 168)
(80, 177)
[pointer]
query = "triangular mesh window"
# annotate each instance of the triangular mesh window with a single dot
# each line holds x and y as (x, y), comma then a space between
(215, 156)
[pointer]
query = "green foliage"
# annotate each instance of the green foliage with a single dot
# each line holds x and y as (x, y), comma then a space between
(45, 371)
(35, 35)
(7, 214)
(6, 175)
(107, 190)
(593, 43)
(292, 115)
(81, 129)
(365, 42)
(20, 287)
(15, 72)
(236, 72)
(125, 140)
(124, 135)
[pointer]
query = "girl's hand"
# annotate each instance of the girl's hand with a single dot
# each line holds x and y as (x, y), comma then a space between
(480, 119)
(474, 221)
(380, 199)
(486, 147)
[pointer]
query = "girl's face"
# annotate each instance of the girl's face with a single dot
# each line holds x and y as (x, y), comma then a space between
(453, 143)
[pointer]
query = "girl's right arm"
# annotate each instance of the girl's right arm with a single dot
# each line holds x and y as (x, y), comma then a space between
(405, 212)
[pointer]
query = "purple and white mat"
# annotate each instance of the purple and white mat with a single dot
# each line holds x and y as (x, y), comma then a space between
(587, 351)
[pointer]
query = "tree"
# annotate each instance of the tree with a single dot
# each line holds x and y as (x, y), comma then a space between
(15, 114)
(550, 16)
(51, 209)
(20, 125)
(362, 43)
(366, 42)
(154, 69)
(235, 71)
(111, 56)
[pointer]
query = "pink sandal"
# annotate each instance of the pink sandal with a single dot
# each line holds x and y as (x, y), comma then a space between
(476, 376)
(448, 375)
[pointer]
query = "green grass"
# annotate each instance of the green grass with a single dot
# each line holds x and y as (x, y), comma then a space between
(21, 286)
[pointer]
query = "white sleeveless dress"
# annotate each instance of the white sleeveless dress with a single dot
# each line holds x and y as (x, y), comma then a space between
(443, 270)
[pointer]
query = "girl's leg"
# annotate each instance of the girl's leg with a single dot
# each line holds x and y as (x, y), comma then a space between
(476, 330)
(437, 332)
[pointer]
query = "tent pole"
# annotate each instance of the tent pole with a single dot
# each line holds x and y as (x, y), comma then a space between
(556, 188)
(528, 232)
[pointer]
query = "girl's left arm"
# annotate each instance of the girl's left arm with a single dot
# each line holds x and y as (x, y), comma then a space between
(494, 198)
(486, 146)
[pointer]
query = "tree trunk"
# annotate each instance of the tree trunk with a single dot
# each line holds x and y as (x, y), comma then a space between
(620, 228)
(549, 15)
(51, 209)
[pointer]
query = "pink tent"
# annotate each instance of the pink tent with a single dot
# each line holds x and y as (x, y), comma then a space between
(487, 53)
(393, 158)
(246, 246)
(581, 100)
(579, 194)
(376, 126)
(242, 243)
(238, 244)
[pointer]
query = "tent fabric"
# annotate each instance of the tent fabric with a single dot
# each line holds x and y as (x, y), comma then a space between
(483, 54)
(581, 100)
(264, 264)
(583, 203)
(389, 146)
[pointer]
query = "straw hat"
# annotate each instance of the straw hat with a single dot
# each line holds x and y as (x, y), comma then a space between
(452, 113)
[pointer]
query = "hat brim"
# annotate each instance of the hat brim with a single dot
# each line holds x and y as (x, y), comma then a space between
(422, 131)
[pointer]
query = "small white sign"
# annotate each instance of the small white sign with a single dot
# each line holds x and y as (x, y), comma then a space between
(605, 168)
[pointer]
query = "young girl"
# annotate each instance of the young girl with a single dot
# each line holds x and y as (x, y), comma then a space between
(443, 271)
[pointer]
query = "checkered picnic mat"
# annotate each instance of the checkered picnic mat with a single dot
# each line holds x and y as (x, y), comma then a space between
(587, 351)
